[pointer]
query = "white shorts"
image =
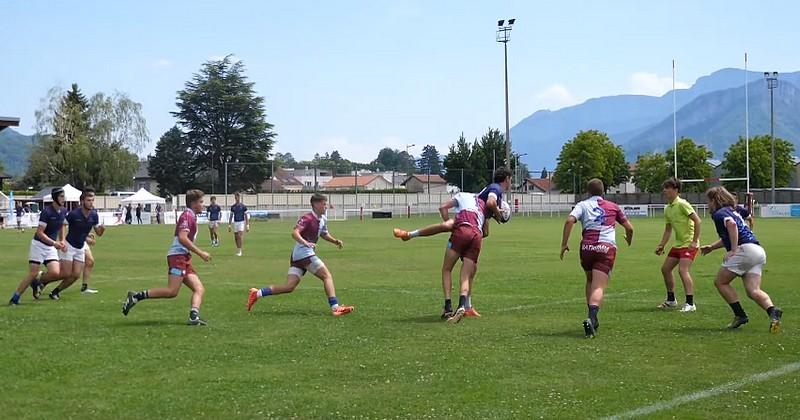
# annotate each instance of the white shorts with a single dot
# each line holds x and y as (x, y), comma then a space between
(213, 224)
(238, 226)
(40, 253)
(747, 259)
(73, 254)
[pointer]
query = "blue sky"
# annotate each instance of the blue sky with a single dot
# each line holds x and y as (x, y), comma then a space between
(356, 76)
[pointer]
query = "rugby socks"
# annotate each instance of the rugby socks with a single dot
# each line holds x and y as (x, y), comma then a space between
(194, 313)
(141, 295)
(671, 296)
(737, 309)
(462, 301)
(264, 292)
(771, 311)
(448, 305)
(56, 291)
(84, 286)
(333, 302)
(469, 302)
(593, 310)
(15, 298)
(413, 234)
(690, 299)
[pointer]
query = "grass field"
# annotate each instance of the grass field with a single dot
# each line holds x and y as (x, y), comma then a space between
(393, 357)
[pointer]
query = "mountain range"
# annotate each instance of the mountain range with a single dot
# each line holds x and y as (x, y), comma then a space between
(14, 151)
(712, 112)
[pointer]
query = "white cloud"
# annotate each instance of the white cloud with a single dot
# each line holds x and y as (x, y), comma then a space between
(555, 97)
(642, 83)
(162, 62)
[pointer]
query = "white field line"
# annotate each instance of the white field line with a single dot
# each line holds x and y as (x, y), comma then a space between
(711, 392)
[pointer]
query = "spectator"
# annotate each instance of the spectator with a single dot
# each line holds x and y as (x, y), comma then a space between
(128, 216)
(139, 213)
(158, 213)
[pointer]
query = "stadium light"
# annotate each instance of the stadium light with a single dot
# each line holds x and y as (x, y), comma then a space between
(517, 173)
(504, 35)
(772, 83)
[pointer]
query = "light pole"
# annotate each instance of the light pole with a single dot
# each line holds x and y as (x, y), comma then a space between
(504, 35)
(517, 173)
(408, 146)
(772, 83)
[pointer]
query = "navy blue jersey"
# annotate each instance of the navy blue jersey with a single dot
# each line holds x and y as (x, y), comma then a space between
(80, 226)
(238, 211)
(745, 234)
(214, 212)
(53, 221)
(742, 210)
(495, 189)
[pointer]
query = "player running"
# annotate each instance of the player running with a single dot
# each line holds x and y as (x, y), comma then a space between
(598, 246)
(88, 266)
(683, 220)
(306, 233)
(179, 260)
(48, 239)
(81, 221)
(214, 212)
(492, 196)
(239, 219)
(745, 258)
(465, 243)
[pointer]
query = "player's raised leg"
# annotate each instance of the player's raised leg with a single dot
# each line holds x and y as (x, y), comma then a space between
(430, 230)
(292, 280)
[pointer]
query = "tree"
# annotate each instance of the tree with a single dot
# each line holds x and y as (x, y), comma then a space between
(430, 160)
(284, 160)
(590, 154)
(692, 164)
(86, 143)
(458, 167)
(394, 160)
(651, 171)
(224, 121)
(173, 163)
(734, 163)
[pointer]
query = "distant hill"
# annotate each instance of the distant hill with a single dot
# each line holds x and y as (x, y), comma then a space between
(707, 111)
(14, 151)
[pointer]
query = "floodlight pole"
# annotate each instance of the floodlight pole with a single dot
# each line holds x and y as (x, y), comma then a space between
(772, 83)
(504, 35)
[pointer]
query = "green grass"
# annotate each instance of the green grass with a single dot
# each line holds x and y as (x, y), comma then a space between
(393, 357)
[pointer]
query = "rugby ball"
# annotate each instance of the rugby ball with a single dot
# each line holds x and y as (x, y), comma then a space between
(505, 212)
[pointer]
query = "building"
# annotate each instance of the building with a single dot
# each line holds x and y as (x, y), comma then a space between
(540, 186)
(282, 181)
(795, 180)
(311, 178)
(142, 179)
(6, 122)
(418, 183)
(365, 183)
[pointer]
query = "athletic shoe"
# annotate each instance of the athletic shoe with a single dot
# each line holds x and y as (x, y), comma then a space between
(668, 304)
(400, 233)
(446, 314)
(737, 322)
(238, 253)
(457, 316)
(54, 296)
(36, 288)
(252, 298)
(775, 321)
(88, 291)
(472, 313)
(688, 308)
(342, 310)
(130, 300)
(589, 328)
(196, 321)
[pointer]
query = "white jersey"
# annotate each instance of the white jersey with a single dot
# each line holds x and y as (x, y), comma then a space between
(469, 210)
(598, 217)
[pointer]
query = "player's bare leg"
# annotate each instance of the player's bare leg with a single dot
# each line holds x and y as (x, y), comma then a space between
(723, 284)
(88, 268)
(752, 284)
(467, 270)
(684, 267)
(33, 273)
(471, 311)
(596, 282)
(292, 280)
(192, 281)
(450, 258)
(71, 270)
(429, 230)
(173, 287)
(327, 281)
(669, 282)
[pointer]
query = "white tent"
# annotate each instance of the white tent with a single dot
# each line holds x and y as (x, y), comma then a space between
(71, 194)
(143, 196)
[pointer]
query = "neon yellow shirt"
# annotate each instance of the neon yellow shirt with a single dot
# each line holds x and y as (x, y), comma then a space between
(677, 215)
